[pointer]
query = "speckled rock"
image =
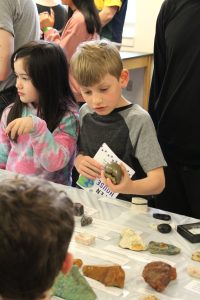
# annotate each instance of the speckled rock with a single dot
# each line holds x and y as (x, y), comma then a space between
(86, 220)
(163, 248)
(196, 255)
(73, 286)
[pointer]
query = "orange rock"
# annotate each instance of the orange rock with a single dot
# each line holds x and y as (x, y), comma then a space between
(108, 275)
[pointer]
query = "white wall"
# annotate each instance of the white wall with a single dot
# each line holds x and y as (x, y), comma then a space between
(146, 15)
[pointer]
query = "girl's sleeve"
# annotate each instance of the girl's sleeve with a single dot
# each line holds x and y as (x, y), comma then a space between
(4, 144)
(54, 150)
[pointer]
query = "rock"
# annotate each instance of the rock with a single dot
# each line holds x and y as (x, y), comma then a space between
(73, 286)
(158, 274)
(149, 297)
(131, 240)
(114, 172)
(196, 255)
(78, 209)
(164, 228)
(84, 238)
(78, 262)
(163, 217)
(86, 220)
(163, 248)
(108, 275)
(193, 271)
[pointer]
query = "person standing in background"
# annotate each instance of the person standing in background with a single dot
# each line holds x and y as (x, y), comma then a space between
(19, 24)
(174, 103)
(83, 25)
(60, 11)
(112, 15)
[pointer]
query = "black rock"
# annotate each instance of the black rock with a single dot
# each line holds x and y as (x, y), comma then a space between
(164, 228)
(163, 217)
(78, 209)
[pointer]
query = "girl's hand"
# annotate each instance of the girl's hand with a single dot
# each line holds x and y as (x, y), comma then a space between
(19, 126)
(124, 185)
(88, 167)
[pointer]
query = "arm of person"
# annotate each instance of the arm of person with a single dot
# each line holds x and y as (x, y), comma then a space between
(87, 166)
(53, 150)
(4, 143)
(159, 62)
(6, 50)
(107, 14)
(152, 184)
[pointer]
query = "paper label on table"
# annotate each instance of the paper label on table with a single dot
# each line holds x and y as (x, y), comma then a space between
(109, 290)
(98, 253)
(104, 156)
(193, 286)
(137, 255)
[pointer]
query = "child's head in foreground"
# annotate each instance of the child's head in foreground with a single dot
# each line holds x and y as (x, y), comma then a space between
(98, 69)
(36, 225)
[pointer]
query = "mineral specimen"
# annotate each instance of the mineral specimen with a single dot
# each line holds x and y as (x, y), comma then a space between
(158, 274)
(131, 240)
(108, 275)
(149, 297)
(114, 172)
(86, 220)
(163, 248)
(73, 286)
(84, 238)
(196, 255)
(78, 209)
(163, 217)
(194, 271)
(77, 262)
(164, 228)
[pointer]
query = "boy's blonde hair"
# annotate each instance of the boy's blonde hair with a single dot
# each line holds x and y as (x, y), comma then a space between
(93, 60)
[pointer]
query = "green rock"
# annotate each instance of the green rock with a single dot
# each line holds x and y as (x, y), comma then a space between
(73, 286)
(162, 248)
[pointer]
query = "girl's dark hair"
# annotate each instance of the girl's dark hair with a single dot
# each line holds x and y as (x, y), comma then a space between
(90, 13)
(47, 67)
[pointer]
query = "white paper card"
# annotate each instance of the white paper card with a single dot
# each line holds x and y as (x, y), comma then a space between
(193, 286)
(104, 156)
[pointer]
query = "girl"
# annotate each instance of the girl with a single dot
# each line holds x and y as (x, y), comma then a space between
(83, 25)
(38, 133)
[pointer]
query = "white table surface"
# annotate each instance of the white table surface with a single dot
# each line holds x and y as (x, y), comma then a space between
(110, 217)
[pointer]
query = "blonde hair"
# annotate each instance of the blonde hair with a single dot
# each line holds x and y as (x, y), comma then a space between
(93, 60)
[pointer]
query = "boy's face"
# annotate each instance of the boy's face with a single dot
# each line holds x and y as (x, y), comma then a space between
(105, 96)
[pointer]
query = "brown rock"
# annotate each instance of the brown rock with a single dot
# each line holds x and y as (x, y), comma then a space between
(158, 274)
(108, 275)
(78, 262)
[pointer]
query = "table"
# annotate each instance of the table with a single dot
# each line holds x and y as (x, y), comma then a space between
(135, 60)
(110, 216)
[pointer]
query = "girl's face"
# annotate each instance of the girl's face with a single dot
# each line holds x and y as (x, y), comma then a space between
(26, 90)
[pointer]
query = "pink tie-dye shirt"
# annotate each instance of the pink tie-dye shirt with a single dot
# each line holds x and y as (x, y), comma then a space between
(49, 155)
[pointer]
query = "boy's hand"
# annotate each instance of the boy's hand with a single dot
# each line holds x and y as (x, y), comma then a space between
(19, 126)
(88, 167)
(123, 186)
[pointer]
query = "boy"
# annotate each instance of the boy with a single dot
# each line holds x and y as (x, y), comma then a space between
(107, 117)
(36, 225)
